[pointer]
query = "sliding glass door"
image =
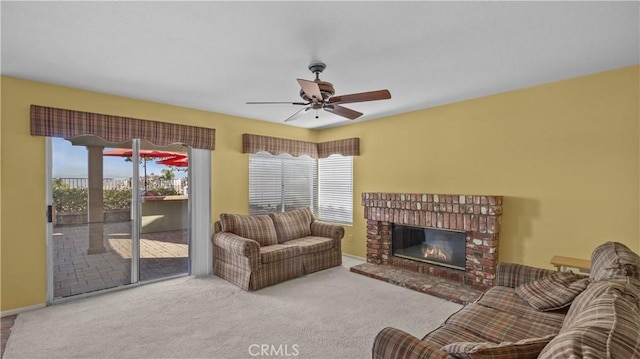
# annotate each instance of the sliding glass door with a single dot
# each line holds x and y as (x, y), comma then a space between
(118, 216)
(91, 218)
(164, 207)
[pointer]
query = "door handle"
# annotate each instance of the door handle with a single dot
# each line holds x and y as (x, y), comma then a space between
(49, 214)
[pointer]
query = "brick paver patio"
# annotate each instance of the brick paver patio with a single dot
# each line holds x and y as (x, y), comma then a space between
(162, 254)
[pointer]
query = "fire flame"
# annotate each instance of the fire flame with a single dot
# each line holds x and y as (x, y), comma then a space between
(434, 252)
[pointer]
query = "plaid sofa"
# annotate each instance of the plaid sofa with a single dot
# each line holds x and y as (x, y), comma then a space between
(602, 321)
(253, 252)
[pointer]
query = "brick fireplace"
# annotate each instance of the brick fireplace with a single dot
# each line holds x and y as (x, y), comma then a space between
(478, 216)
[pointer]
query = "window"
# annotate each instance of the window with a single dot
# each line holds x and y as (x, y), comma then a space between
(281, 183)
(335, 189)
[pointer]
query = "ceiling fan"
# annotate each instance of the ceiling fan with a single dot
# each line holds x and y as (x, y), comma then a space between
(319, 95)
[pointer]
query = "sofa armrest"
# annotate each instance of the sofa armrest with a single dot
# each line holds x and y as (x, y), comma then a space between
(328, 230)
(239, 246)
(513, 274)
(395, 343)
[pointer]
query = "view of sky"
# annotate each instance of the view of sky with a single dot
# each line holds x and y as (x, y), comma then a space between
(71, 162)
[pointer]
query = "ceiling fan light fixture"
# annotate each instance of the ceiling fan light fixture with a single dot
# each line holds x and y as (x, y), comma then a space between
(319, 95)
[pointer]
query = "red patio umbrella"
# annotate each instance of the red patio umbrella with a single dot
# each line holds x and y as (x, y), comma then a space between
(145, 154)
(178, 161)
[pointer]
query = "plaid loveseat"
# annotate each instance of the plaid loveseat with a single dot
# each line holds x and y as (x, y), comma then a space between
(253, 252)
(595, 317)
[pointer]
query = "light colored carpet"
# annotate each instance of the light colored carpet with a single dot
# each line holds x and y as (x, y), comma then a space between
(328, 314)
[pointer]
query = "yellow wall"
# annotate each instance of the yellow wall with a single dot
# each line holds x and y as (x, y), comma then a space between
(565, 155)
(23, 281)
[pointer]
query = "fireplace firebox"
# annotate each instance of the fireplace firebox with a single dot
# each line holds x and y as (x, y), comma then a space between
(430, 245)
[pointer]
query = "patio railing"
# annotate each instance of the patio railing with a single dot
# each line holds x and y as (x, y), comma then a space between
(70, 195)
(177, 184)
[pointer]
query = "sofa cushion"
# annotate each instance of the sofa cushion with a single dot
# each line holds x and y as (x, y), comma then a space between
(312, 244)
(602, 322)
(507, 300)
(278, 252)
(496, 325)
(614, 260)
(292, 224)
(528, 348)
(258, 228)
(554, 291)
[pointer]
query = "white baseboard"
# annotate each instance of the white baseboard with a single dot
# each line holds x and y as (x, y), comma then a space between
(22, 310)
(355, 257)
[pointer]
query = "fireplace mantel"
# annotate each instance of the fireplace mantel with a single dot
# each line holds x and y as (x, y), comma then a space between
(479, 216)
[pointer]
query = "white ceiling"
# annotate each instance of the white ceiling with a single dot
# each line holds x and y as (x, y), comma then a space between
(216, 56)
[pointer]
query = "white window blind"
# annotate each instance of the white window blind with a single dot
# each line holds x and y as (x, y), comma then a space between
(281, 183)
(335, 189)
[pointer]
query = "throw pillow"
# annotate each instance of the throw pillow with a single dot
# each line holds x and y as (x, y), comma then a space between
(523, 349)
(554, 291)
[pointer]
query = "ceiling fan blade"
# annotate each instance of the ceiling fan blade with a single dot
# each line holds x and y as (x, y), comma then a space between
(361, 97)
(343, 111)
(277, 103)
(311, 89)
(297, 115)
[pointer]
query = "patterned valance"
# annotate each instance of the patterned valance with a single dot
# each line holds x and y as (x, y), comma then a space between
(275, 146)
(56, 122)
(345, 147)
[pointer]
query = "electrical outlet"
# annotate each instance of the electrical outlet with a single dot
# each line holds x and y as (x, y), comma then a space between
(350, 238)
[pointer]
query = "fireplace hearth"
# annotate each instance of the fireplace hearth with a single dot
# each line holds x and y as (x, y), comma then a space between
(475, 217)
(429, 245)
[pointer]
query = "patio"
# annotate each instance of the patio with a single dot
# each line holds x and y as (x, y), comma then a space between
(162, 254)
